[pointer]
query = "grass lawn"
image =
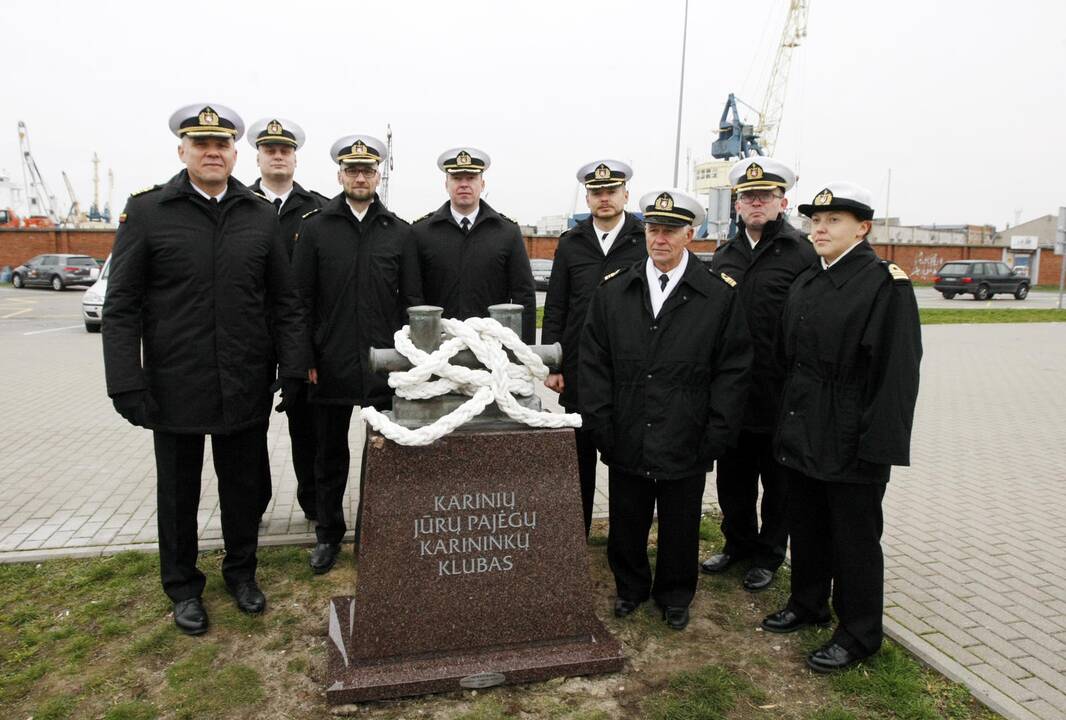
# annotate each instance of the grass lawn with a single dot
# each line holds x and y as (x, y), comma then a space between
(943, 316)
(95, 639)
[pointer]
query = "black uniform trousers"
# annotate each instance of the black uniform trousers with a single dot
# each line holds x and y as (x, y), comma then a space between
(586, 471)
(179, 461)
(633, 502)
(836, 547)
(302, 442)
(332, 465)
(739, 471)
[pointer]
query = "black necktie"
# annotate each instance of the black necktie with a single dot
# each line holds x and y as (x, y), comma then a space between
(277, 205)
(465, 224)
(663, 279)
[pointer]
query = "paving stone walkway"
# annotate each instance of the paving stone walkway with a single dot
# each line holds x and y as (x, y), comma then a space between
(975, 530)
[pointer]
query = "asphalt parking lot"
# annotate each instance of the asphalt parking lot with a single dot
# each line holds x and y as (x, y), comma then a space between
(975, 529)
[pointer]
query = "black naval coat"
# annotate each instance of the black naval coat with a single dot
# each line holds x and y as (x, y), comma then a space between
(851, 344)
(763, 278)
(664, 396)
(299, 203)
(577, 270)
(206, 291)
(464, 274)
(349, 277)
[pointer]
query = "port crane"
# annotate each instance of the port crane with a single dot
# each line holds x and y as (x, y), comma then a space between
(40, 202)
(739, 140)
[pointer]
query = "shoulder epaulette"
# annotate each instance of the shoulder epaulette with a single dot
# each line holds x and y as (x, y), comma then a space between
(309, 213)
(424, 217)
(507, 218)
(150, 188)
(895, 271)
(260, 195)
(728, 280)
(610, 275)
(319, 195)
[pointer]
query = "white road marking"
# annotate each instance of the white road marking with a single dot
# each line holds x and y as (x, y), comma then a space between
(38, 332)
(17, 312)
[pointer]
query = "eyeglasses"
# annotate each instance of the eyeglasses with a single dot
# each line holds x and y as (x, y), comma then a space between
(763, 196)
(353, 171)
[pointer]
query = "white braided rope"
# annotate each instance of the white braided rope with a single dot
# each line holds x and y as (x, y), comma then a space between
(501, 380)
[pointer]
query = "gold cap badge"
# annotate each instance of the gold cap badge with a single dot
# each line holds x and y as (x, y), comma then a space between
(823, 198)
(273, 128)
(603, 172)
(664, 202)
(754, 172)
(208, 117)
(359, 148)
(462, 158)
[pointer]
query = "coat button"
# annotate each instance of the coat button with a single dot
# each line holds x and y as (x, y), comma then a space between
(791, 412)
(782, 458)
(654, 327)
(649, 376)
(647, 424)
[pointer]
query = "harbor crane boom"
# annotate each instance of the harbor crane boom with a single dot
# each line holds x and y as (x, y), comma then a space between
(735, 138)
(773, 104)
(39, 200)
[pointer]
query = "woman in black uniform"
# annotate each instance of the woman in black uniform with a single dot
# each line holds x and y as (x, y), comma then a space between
(851, 344)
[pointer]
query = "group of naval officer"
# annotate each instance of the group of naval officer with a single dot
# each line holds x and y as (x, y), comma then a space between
(792, 361)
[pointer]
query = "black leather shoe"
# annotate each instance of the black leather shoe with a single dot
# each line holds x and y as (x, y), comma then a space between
(190, 616)
(249, 597)
(832, 657)
(676, 617)
(787, 621)
(624, 608)
(718, 563)
(758, 579)
(324, 557)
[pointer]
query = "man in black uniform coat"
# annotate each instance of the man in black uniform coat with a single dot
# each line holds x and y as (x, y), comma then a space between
(470, 256)
(348, 264)
(200, 283)
(276, 141)
(607, 240)
(665, 356)
(851, 342)
(764, 258)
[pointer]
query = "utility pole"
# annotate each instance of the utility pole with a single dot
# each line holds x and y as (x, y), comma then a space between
(680, 95)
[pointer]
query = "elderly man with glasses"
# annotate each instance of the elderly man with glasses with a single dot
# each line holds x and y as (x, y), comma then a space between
(764, 257)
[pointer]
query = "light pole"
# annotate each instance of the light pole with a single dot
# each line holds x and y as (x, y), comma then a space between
(680, 95)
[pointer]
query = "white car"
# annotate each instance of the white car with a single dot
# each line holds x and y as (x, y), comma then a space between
(92, 303)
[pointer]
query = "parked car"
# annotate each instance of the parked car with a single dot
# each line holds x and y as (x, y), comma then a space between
(980, 278)
(92, 303)
(55, 270)
(542, 272)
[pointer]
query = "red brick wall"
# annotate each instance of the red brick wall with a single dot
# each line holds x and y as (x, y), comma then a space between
(18, 246)
(544, 247)
(922, 261)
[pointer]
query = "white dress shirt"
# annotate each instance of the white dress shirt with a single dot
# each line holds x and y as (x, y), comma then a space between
(826, 266)
(203, 194)
(472, 217)
(271, 195)
(659, 295)
(606, 237)
(751, 242)
(360, 215)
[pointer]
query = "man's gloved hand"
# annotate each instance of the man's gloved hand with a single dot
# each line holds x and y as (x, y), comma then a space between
(290, 391)
(135, 406)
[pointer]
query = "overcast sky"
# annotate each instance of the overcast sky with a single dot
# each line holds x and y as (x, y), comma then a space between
(964, 101)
